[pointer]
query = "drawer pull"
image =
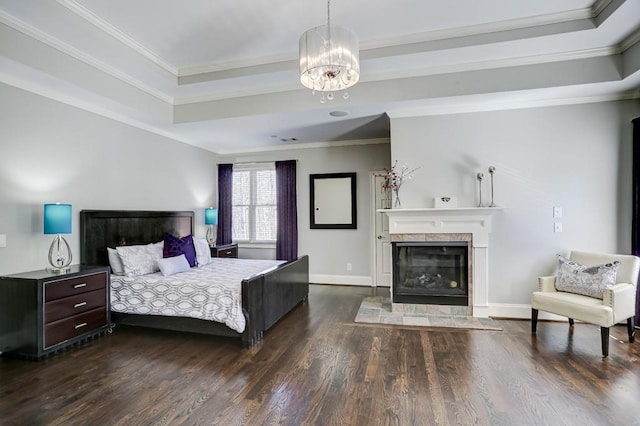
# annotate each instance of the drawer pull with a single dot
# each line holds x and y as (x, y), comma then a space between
(80, 285)
(78, 305)
(227, 252)
(84, 324)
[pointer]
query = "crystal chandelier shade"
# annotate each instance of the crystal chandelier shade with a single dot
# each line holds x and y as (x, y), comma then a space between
(329, 58)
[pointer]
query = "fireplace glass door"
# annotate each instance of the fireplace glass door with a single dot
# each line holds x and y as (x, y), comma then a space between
(431, 273)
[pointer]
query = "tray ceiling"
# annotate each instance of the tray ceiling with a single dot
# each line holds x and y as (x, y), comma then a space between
(223, 74)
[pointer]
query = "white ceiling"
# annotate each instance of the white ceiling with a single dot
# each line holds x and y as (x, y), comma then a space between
(222, 74)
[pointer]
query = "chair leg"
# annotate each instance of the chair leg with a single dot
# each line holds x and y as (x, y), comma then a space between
(604, 335)
(534, 320)
(570, 322)
(631, 329)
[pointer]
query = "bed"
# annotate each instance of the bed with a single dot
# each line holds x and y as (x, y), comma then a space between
(266, 297)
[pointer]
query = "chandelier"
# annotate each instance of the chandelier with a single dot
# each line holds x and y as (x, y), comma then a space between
(329, 59)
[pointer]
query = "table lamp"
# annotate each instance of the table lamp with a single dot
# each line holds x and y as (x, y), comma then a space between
(57, 220)
(211, 219)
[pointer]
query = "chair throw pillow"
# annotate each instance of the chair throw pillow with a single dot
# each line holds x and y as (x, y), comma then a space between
(591, 281)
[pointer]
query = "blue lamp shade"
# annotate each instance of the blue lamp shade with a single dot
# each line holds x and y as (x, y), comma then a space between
(57, 218)
(211, 216)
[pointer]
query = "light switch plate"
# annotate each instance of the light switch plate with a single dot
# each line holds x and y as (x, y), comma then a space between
(557, 212)
(557, 227)
(3, 240)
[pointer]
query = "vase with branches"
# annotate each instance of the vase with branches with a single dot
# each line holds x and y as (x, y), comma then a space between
(393, 179)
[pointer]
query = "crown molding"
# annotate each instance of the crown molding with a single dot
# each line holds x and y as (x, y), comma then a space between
(439, 35)
(472, 30)
(236, 94)
(630, 40)
(481, 29)
(230, 66)
(310, 145)
(472, 107)
(80, 10)
(598, 7)
(50, 92)
(444, 69)
(69, 50)
(109, 29)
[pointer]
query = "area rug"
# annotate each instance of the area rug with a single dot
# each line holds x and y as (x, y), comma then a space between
(377, 310)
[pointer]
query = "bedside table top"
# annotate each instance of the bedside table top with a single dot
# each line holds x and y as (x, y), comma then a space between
(224, 246)
(43, 273)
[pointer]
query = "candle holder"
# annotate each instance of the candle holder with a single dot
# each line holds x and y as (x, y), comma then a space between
(480, 176)
(492, 171)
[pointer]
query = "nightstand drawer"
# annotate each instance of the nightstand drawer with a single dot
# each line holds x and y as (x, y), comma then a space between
(229, 250)
(71, 286)
(74, 305)
(68, 328)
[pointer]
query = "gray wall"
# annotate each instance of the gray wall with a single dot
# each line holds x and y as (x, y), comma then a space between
(330, 250)
(52, 152)
(576, 157)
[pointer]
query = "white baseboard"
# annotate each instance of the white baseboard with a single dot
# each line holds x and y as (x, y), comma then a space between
(340, 279)
(496, 310)
(509, 310)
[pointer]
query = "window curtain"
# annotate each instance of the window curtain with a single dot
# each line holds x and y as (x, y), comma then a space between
(635, 224)
(287, 216)
(225, 192)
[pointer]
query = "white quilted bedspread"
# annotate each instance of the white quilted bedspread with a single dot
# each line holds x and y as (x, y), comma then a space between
(211, 292)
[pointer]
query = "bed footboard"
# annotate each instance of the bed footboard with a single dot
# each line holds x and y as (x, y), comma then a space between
(268, 297)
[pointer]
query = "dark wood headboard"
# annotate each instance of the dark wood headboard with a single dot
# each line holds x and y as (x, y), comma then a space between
(100, 229)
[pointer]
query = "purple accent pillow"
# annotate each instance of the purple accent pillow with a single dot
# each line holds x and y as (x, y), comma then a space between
(174, 246)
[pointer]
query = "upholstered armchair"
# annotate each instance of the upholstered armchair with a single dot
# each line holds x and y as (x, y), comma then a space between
(583, 279)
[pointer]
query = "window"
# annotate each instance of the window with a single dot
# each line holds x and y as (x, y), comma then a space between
(254, 203)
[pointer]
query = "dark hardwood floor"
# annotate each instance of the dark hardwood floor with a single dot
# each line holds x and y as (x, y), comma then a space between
(318, 367)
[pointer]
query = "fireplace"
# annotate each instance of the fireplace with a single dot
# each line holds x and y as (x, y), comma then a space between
(470, 225)
(435, 273)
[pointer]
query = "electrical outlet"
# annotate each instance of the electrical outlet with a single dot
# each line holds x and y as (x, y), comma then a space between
(557, 212)
(349, 267)
(557, 227)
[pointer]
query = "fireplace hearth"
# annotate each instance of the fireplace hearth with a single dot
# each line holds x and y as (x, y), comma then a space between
(435, 273)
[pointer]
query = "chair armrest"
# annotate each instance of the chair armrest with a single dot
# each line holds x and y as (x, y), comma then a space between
(621, 298)
(547, 283)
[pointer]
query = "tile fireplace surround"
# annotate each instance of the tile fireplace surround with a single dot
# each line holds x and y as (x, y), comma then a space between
(471, 224)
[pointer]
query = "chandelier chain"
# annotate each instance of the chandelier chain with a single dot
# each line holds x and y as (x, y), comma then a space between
(329, 19)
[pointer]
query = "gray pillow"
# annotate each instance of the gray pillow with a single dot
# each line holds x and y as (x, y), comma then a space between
(591, 281)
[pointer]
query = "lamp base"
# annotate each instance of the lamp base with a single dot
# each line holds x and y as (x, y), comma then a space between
(58, 271)
(60, 264)
(211, 236)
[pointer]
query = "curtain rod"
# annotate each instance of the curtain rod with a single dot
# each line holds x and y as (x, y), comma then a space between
(249, 163)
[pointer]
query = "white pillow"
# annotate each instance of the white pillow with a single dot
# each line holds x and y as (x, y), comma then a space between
(114, 261)
(173, 265)
(203, 253)
(140, 260)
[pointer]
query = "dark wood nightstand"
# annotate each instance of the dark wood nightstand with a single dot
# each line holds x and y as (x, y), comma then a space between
(228, 250)
(42, 312)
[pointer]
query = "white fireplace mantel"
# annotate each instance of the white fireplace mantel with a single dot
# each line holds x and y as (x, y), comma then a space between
(462, 220)
(472, 220)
